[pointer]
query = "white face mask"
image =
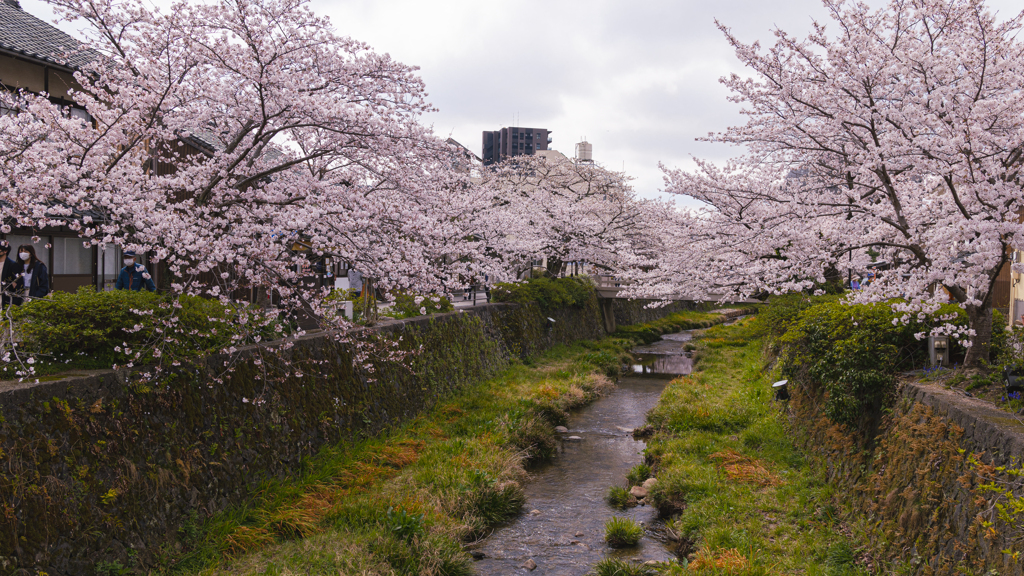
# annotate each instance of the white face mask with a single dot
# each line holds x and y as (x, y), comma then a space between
(24, 255)
(129, 261)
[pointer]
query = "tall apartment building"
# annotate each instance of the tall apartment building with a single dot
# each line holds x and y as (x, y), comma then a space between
(508, 142)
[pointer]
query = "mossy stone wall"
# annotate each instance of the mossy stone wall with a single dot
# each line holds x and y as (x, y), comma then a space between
(102, 467)
(628, 312)
(929, 491)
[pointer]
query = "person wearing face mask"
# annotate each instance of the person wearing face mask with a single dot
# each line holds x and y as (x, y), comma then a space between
(34, 278)
(134, 276)
(9, 270)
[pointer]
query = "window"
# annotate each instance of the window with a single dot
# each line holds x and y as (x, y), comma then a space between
(71, 257)
(79, 113)
(42, 252)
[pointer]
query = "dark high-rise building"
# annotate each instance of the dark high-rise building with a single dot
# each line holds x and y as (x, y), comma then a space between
(508, 142)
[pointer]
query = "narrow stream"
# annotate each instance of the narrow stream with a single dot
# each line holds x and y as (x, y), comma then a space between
(562, 525)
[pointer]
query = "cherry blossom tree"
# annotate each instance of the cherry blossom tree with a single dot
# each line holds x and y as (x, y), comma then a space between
(225, 133)
(241, 143)
(895, 134)
(565, 210)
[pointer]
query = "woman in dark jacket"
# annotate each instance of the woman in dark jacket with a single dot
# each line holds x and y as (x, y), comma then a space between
(32, 273)
(9, 270)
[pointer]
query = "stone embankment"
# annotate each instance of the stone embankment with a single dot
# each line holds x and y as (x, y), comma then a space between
(99, 464)
(940, 486)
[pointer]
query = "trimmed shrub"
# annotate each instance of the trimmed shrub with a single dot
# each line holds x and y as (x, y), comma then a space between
(86, 323)
(849, 354)
(783, 311)
(405, 305)
(90, 329)
(548, 293)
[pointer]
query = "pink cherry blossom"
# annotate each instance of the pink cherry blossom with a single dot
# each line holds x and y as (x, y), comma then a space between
(896, 132)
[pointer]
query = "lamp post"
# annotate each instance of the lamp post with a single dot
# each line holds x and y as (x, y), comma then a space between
(781, 393)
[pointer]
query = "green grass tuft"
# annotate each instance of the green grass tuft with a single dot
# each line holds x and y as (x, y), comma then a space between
(613, 567)
(638, 474)
(619, 497)
(622, 532)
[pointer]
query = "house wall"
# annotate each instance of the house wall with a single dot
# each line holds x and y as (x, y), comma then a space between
(19, 74)
(22, 74)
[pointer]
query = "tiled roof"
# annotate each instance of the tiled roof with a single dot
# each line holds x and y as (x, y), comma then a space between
(25, 34)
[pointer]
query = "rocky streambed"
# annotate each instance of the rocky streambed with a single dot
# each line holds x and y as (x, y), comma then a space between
(561, 531)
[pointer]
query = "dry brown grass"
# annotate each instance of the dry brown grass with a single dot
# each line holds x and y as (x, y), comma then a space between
(399, 454)
(576, 394)
(547, 392)
(300, 519)
(745, 469)
(729, 560)
(600, 383)
(245, 538)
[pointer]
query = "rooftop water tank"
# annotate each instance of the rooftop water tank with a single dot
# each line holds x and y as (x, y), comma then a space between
(585, 151)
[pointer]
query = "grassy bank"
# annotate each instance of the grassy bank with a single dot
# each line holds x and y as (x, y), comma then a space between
(406, 502)
(739, 494)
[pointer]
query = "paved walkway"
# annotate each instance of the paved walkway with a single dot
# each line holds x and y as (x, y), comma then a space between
(466, 300)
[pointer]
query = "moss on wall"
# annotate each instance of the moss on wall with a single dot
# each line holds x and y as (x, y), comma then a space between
(108, 466)
(628, 312)
(929, 498)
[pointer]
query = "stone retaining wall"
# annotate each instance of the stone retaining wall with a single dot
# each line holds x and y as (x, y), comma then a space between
(930, 487)
(628, 312)
(102, 466)
(97, 464)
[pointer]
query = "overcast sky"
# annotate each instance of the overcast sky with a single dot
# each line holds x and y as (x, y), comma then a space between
(638, 79)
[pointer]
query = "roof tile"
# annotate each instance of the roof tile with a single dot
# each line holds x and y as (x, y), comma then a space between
(25, 34)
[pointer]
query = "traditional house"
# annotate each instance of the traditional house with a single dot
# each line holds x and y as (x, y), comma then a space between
(39, 58)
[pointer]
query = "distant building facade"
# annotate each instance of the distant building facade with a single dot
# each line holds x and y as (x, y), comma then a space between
(464, 160)
(515, 141)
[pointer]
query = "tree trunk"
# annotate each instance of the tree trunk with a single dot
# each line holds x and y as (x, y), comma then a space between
(554, 267)
(369, 301)
(980, 319)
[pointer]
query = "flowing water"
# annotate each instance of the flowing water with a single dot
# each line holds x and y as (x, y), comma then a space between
(562, 526)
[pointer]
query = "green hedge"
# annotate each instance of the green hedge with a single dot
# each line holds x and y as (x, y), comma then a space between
(89, 329)
(848, 354)
(405, 306)
(548, 293)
